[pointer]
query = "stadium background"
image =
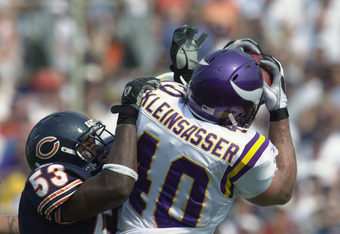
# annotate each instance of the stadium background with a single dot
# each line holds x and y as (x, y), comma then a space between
(79, 54)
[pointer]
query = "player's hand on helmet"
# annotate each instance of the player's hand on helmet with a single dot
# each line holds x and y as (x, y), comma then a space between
(132, 97)
(275, 95)
(246, 44)
(184, 52)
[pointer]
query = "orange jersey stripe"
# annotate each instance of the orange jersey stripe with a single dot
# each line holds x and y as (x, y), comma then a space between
(57, 193)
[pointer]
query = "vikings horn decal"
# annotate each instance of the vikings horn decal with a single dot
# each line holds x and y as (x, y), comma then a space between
(253, 96)
(52, 151)
(203, 62)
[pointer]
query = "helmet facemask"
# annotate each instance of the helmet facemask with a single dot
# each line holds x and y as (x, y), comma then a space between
(64, 137)
(93, 146)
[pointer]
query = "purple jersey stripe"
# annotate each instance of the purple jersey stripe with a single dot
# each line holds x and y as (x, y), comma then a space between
(251, 153)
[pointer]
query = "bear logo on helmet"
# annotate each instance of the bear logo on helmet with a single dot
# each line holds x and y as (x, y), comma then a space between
(45, 150)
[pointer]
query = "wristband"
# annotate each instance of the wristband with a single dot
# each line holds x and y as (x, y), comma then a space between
(279, 114)
(127, 114)
(121, 169)
(126, 119)
(185, 73)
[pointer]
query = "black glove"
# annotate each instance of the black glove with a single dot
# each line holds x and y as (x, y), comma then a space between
(184, 52)
(132, 97)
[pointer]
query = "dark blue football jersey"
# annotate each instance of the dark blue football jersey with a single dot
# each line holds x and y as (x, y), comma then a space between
(46, 189)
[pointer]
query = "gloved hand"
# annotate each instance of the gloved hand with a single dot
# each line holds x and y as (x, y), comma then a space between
(132, 97)
(246, 44)
(184, 52)
(275, 95)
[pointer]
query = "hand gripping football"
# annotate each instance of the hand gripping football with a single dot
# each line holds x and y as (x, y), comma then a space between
(266, 71)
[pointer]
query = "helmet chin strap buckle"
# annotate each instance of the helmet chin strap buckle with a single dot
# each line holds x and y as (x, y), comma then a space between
(232, 119)
(67, 150)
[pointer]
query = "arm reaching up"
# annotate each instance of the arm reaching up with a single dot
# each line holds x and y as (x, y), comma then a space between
(282, 186)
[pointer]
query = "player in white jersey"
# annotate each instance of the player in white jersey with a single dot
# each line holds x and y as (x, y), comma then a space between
(196, 153)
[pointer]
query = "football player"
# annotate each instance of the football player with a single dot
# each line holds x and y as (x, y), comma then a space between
(196, 152)
(77, 177)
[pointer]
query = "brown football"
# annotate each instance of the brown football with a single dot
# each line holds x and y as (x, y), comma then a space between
(266, 71)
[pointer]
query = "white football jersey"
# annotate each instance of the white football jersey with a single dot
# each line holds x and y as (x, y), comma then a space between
(191, 171)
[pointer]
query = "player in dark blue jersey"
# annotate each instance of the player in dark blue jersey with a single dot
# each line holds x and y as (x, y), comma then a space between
(77, 175)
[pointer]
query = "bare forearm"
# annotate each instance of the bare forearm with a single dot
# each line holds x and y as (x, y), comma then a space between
(108, 189)
(279, 134)
(124, 150)
(281, 188)
(9, 224)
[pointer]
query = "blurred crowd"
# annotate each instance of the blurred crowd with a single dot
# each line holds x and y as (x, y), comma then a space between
(59, 54)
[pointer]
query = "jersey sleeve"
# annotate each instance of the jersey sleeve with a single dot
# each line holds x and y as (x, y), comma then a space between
(259, 177)
(51, 185)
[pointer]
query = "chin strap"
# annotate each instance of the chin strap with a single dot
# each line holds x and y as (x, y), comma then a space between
(232, 119)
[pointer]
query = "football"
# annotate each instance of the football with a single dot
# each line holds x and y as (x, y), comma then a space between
(266, 71)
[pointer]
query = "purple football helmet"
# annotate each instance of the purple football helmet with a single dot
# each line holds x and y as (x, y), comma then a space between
(56, 138)
(226, 88)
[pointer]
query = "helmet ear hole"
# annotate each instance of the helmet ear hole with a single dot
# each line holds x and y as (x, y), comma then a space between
(235, 77)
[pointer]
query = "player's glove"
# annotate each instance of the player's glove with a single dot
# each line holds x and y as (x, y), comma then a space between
(246, 44)
(184, 52)
(132, 97)
(275, 95)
